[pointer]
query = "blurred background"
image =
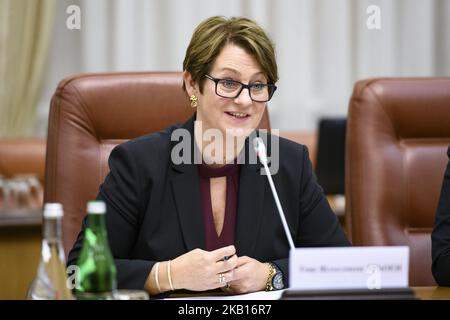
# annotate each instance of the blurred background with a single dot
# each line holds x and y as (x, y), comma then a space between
(323, 47)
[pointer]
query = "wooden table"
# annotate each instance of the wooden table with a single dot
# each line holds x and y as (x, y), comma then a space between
(421, 293)
(20, 251)
(21, 218)
(432, 293)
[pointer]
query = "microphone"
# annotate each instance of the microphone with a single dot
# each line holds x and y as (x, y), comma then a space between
(260, 150)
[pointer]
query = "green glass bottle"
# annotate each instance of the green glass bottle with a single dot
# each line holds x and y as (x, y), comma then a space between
(97, 271)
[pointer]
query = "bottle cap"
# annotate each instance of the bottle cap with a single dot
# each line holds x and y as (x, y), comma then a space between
(96, 207)
(53, 210)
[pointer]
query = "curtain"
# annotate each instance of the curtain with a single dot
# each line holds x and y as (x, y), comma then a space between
(323, 46)
(25, 33)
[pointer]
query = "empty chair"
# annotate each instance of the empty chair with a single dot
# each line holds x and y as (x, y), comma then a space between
(397, 136)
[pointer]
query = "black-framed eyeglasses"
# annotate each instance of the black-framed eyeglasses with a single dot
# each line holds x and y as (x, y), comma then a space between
(258, 92)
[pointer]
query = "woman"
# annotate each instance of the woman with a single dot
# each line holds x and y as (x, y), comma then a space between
(213, 223)
(440, 236)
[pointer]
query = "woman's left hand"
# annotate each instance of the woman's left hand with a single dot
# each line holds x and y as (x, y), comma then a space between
(250, 275)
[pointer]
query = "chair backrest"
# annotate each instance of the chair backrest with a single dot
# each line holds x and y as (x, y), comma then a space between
(90, 114)
(331, 154)
(397, 135)
(25, 156)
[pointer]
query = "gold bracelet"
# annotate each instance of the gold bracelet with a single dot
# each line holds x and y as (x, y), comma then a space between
(157, 277)
(169, 276)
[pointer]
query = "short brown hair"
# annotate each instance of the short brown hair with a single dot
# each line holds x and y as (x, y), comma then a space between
(212, 34)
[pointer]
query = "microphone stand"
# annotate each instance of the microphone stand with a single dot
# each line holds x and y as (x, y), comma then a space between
(260, 149)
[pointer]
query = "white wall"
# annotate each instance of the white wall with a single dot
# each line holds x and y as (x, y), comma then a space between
(323, 46)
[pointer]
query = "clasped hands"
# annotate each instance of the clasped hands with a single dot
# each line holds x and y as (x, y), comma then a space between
(200, 270)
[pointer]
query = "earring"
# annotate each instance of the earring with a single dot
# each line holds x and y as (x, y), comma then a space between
(194, 103)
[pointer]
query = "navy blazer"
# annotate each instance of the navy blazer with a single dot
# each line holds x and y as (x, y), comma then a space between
(154, 210)
(440, 237)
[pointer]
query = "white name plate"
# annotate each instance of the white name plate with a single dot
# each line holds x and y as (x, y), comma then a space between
(349, 268)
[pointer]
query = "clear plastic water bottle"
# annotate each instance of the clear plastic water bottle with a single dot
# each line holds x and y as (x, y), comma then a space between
(50, 282)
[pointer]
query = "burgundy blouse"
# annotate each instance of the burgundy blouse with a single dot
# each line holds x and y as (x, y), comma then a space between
(231, 172)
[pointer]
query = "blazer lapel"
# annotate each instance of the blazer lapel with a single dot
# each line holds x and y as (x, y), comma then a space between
(250, 206)
(186, 192)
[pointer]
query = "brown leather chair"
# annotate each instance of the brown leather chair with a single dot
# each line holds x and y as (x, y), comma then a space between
(307, 138)
(22, 157)
(90, 114)
(398, 132)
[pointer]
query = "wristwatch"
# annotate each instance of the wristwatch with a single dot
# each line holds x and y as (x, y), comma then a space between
(275, 278)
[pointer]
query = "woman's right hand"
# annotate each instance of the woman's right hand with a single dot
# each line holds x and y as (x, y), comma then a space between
(200, 270)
